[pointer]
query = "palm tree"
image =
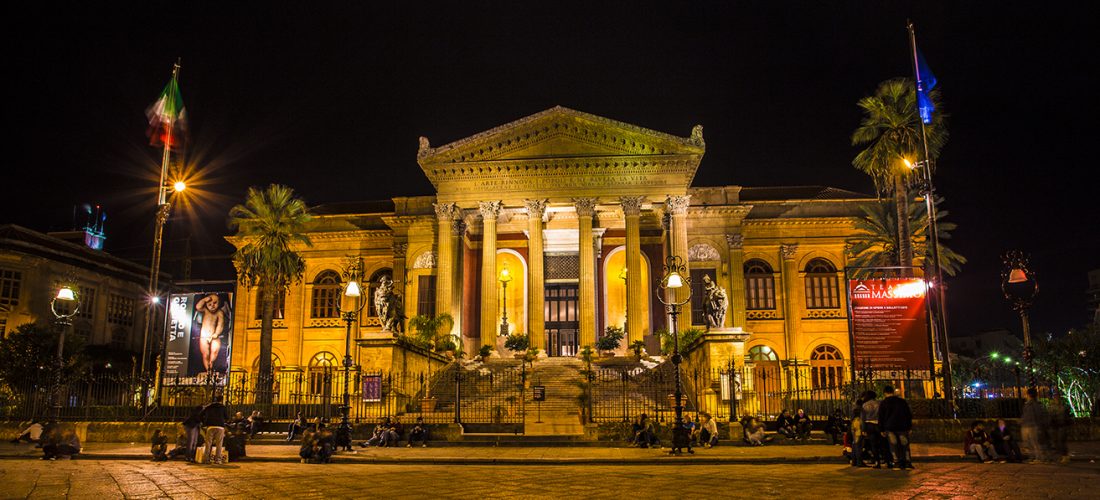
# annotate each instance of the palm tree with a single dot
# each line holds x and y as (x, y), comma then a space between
(875, 243)
(271, 221)
(891, 129)
(432, 330)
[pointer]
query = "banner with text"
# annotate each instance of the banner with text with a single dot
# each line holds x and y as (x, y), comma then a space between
(890, 327)
(198, 338)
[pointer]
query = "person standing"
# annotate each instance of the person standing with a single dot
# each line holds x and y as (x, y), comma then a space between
(1060, 421)
(871, 430)
(214, 417)
(193, 426)
(896, 420)
(1032, 421)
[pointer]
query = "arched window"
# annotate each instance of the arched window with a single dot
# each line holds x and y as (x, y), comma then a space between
(321, 369)
(387, 272)
(759, 285)
(822, 286)
(326, 296)
(276, 363)
(827, 367)
(762, 353)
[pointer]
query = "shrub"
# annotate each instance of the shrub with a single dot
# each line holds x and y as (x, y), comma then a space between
(517, 343)
(484, 351)
(610, 339)
(686, 338)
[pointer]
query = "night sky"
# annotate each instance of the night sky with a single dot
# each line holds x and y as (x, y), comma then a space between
(331, 102)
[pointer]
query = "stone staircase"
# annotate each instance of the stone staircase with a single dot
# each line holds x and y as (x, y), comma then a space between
(559, 414)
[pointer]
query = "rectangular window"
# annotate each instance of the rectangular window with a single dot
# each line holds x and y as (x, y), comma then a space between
(280, 305)
(3, 328)
(325, 302)
(87, 303)
(821, 291)
(425, 295)
(120, 310)
(10, 282)
(760, 292)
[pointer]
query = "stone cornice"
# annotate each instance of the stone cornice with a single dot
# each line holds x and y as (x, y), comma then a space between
(349, 235)
(739, 211)
(400, 221)
(802, 221)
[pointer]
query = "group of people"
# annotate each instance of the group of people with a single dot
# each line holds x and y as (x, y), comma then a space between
(54, 440)
(878, 435)
(702, 431)
(389, 431)
(794, 427)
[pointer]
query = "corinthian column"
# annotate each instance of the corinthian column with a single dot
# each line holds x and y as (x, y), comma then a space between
(635, 293)
(790, 295)
(490, 210)
(736, 244)
(678, 206)
(586, 208)
(445, 257)
(536, 295)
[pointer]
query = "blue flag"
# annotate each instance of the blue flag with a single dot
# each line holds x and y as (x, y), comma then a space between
(926, 81)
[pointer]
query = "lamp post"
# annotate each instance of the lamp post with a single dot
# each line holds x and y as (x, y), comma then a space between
(70, 299)
(505, 278)
(626, 312)
(352, 292)
(1019, 287)
(674, 279)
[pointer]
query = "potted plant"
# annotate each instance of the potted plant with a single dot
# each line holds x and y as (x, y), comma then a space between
(447, 346)
(427, 405)
(484, 352)
(637, 346)
(432, 330)
(517, 344)
(610, 340)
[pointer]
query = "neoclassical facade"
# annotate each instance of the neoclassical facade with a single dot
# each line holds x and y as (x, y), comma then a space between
(581, 211)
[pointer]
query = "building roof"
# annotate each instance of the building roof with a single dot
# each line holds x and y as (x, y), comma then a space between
(354, 207)
(784, 193)
(16, 238)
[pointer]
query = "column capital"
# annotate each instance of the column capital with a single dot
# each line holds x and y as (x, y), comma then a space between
(536, 209)
(490, 209)
(678, 205)
(446, 211)
(586, 207)
(399, 250)
(788, 250)
(458, 226)
(736, 241)
(632, 205)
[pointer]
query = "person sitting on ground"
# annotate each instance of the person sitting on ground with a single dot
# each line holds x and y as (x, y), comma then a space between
(394, 432)
(978, 442)
(644, 437)
(295, 427)
(326, 445)
(784, 424)
(1003, 442)
(708, 433)
(419, 432)
(378, 436)
(58, 443)
(255, 423)
(182, 449)
(836, 426)
(32, 434)
(308, 448)
(802, 425)
(159, 446)
(753, 431)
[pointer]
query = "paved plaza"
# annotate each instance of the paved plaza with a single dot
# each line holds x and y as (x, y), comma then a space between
(103, 479)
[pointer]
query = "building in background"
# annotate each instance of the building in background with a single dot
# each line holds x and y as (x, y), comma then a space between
(1092, 295)
(33, 265)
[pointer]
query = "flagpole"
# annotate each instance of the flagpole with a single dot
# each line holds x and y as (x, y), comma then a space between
(163, 210)
(933, 231)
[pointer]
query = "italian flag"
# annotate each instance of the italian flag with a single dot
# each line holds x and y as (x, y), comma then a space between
(167, 117)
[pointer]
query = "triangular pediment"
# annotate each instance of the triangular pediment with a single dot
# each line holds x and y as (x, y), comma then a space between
(561, 133)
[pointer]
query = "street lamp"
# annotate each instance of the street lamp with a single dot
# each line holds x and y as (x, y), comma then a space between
(69, 300)
(626, 311)
(352, 292)
(672, 281)
(505, 277)
(1019, 287)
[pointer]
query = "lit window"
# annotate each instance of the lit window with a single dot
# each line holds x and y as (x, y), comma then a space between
(822, 285)
(759, 285)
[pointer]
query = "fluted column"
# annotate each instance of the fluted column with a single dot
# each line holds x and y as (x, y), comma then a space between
(790, 293)
(490, 306)
(445, 257)
(635, 291)
(400, 280)
(458, 230)
(536, 295)
(677, 206)
(737, 279)
(586, 208)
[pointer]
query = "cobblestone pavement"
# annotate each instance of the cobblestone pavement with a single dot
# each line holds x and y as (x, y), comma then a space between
(103, 479)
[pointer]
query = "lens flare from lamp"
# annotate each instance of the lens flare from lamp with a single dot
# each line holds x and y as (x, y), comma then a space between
(352, 290)
(179, 186)
(65, 293)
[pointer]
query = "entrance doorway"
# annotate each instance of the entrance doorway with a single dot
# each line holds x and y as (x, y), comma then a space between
(561, 319)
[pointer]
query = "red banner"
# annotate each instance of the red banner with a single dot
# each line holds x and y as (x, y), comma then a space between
(890, 327)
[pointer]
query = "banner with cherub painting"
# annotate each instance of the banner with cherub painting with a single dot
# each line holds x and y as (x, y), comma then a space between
(198, 338)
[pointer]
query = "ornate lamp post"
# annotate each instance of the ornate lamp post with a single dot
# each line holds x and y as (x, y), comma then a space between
(626, 312)
(352, 292)
(1019, 286)
(505, 278)
(674, 279)
(70, 301)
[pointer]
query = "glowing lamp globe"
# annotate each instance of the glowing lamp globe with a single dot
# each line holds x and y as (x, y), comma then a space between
(179, 186)
(1017, 276)
(352, 290)
(66, 293)
(674, 280)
